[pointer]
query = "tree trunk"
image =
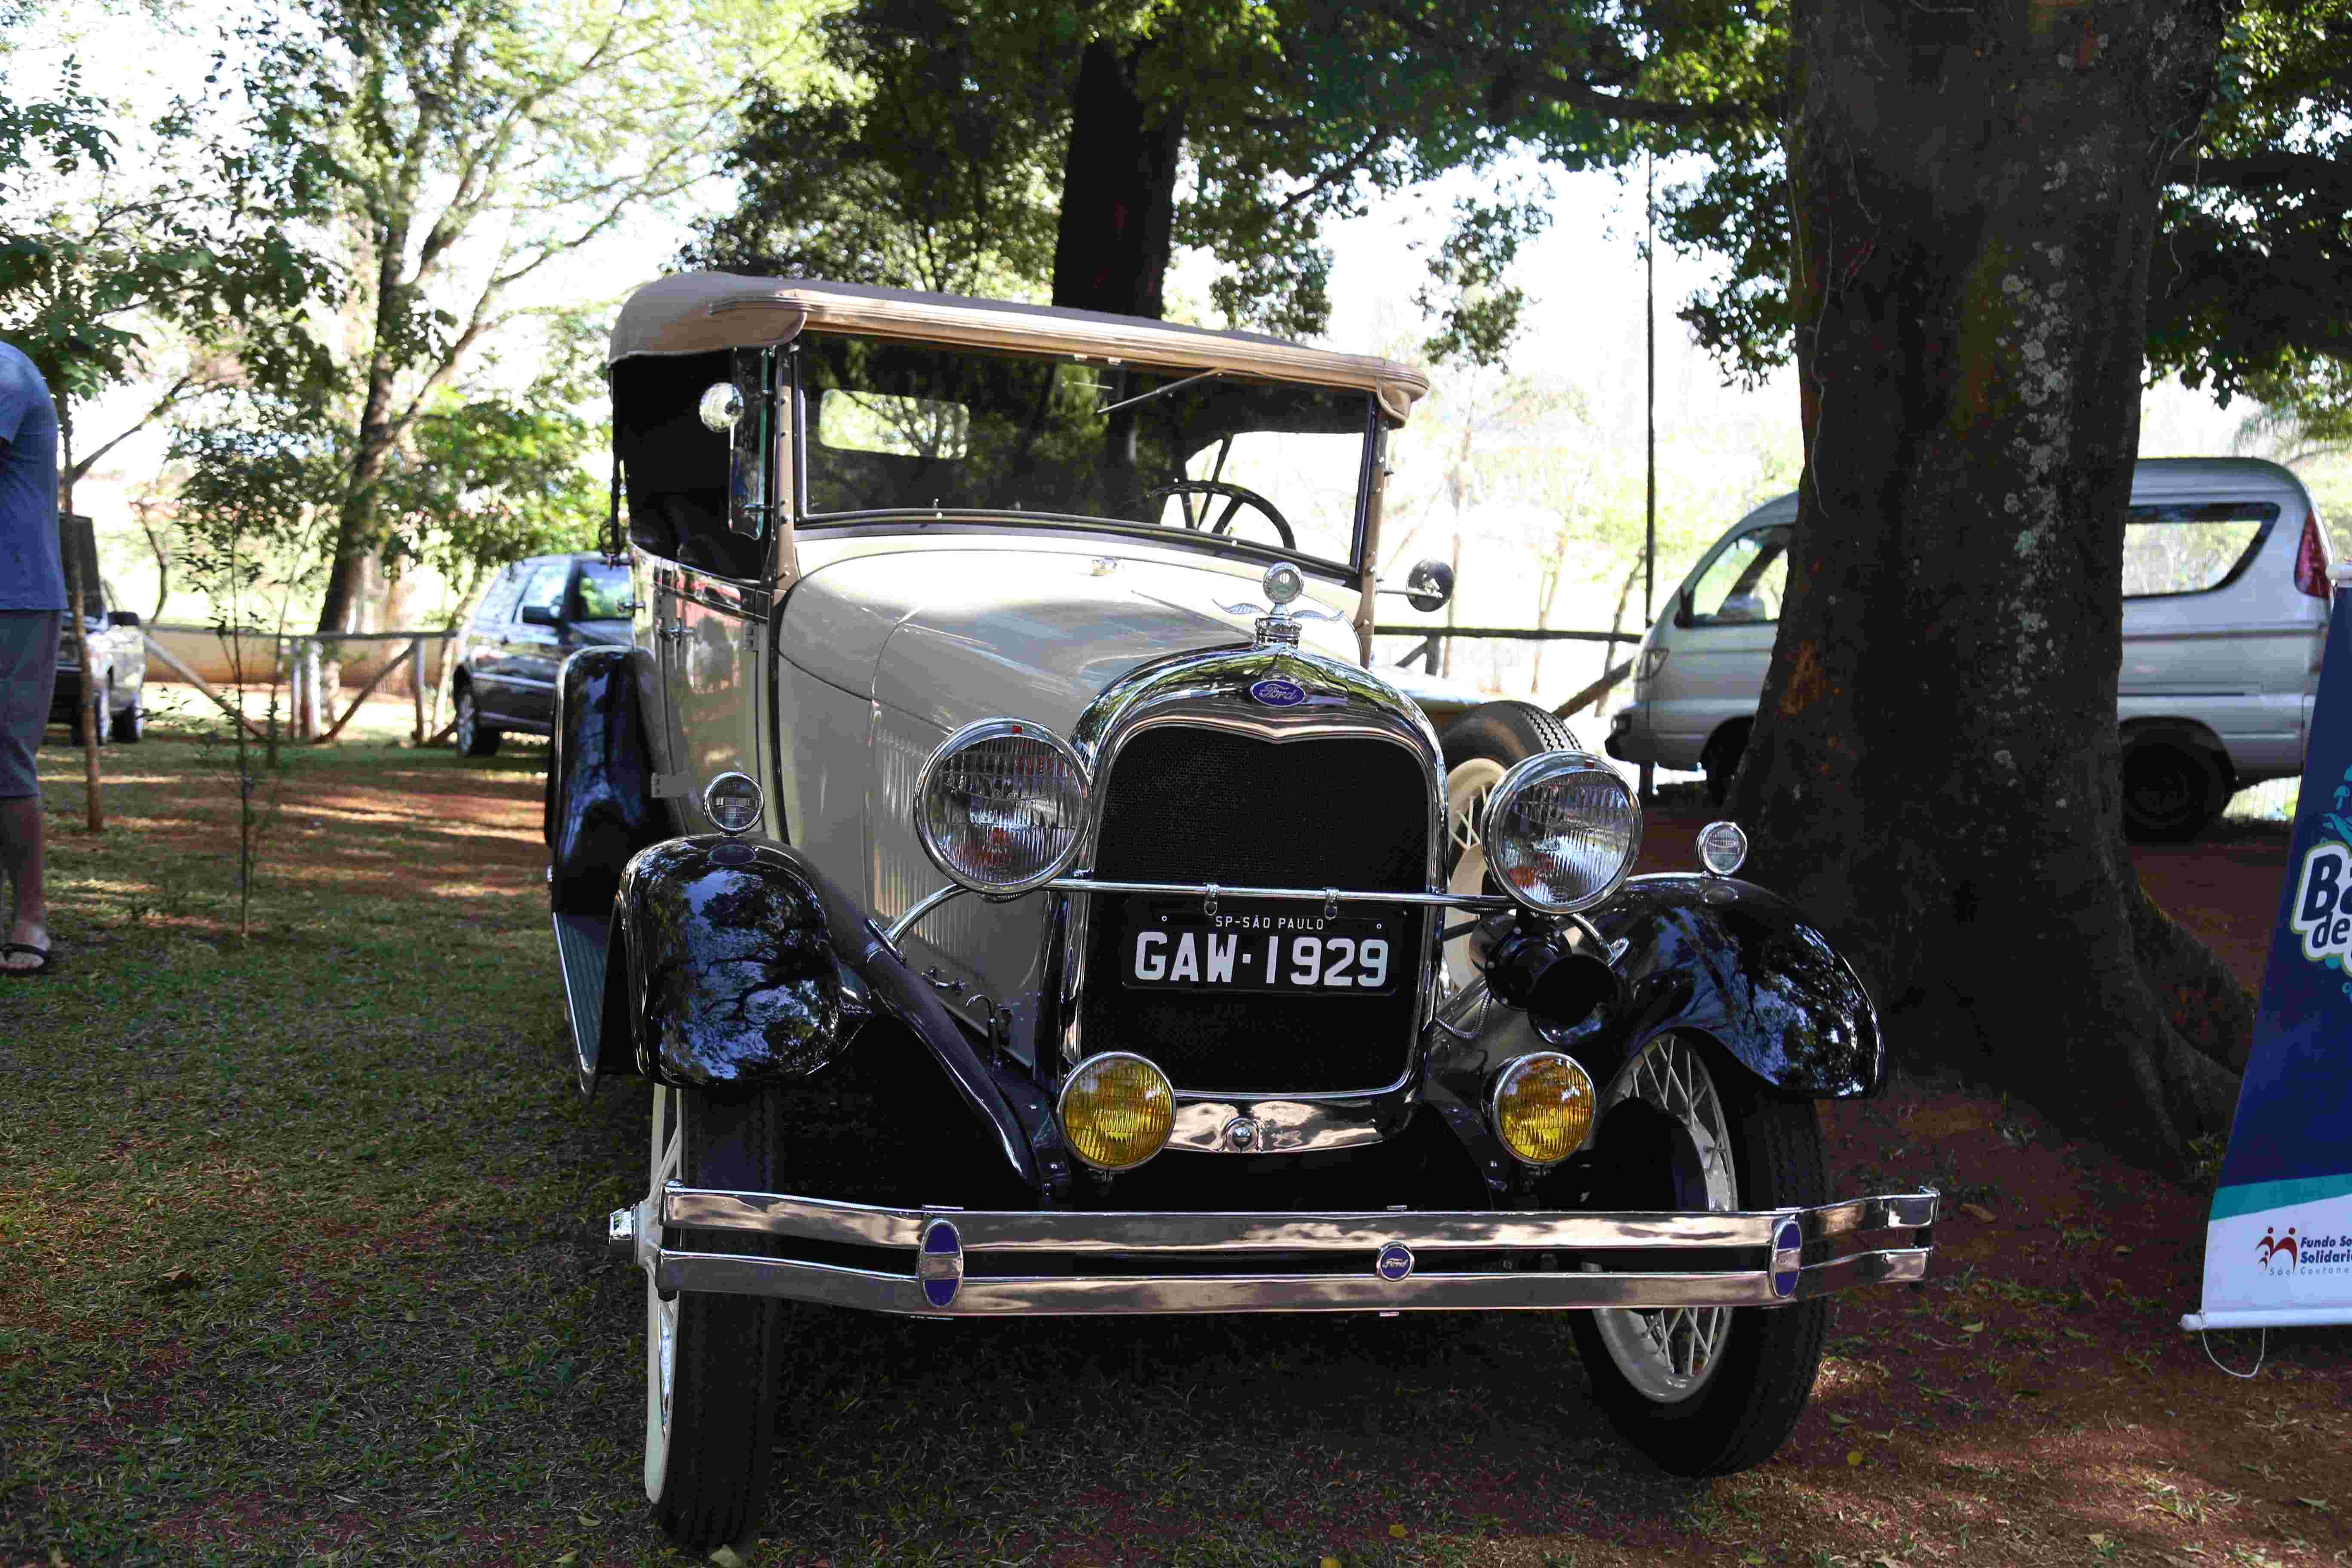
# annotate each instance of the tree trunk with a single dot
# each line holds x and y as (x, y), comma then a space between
(161, 543)
(1934, 770)
(355, 517)
(1118, 190)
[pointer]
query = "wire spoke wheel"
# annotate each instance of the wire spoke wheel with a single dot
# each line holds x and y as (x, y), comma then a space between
(661, 1317)
(1669, 1355)
(711, 1360)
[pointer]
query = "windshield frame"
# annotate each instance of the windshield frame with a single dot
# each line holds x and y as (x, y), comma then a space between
(892, 520)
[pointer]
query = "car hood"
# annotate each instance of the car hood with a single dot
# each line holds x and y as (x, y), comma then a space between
(948, 636)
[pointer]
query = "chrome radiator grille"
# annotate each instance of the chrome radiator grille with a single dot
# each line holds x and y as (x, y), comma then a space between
(1196, 805)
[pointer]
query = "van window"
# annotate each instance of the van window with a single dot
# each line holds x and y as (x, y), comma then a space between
(2191, 549)
(1742, 585)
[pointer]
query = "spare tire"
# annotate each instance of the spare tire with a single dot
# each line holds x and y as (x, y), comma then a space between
(1480, 747)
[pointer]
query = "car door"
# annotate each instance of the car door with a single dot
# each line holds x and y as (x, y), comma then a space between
(2194, 624)
(483, 655)
(536, 640)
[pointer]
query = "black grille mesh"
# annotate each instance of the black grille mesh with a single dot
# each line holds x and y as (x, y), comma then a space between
(1186, 804)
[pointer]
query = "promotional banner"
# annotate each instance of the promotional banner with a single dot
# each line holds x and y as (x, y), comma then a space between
(2278, 1248)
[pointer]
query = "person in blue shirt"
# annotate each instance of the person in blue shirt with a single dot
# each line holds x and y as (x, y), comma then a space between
(32, 613)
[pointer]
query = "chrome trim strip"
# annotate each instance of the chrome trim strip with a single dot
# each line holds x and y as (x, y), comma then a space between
(1366, 1291)
(714, 593)
(1302, 895)
(1072, 1230)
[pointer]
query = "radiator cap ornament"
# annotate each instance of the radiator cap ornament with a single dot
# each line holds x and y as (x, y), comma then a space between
(1279, 627)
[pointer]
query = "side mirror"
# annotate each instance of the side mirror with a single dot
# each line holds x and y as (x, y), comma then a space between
(123, 617)
(748, 399)
(1428, 586)
(541, 616)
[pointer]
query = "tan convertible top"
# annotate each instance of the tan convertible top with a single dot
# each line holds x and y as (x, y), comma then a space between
(696, 312)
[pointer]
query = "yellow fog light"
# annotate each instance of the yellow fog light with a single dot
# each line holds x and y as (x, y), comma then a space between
(1542, 1108)
(1118, 1110)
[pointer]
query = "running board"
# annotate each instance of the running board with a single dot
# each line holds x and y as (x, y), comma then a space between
(580, 945)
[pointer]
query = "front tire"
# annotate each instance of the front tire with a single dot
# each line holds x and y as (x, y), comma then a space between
(711, 1360)
(1708, 1391)
(131, 724)
(92, 721)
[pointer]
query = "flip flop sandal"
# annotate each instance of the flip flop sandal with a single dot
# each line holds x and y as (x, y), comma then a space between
(48, 956)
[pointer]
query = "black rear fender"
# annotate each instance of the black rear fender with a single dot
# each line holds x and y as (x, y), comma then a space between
(600, 807)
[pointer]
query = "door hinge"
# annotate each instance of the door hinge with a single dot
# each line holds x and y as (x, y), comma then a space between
(672, 786)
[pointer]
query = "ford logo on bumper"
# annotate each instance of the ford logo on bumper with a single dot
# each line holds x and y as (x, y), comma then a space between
(1276, 692)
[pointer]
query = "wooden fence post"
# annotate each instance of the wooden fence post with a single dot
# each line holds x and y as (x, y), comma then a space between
(314, 695)
(416, 684)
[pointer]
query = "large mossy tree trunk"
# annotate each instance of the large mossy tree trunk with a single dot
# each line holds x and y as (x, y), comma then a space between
(1119, 188)
(1934, 768)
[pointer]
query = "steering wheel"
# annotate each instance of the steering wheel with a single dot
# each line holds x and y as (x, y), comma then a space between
(1236, 497)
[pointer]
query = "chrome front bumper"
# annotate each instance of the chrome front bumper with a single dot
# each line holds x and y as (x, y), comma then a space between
(954, 1263)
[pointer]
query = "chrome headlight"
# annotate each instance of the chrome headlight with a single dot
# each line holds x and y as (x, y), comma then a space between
(1000, 806)
(1562, 831)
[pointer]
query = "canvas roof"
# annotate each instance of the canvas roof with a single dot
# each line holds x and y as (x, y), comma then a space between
(696, 312)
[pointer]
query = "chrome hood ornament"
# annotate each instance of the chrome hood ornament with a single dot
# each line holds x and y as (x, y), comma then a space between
(1279, 628)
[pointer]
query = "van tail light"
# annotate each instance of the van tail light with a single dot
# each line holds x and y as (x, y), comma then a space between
(2311, 559)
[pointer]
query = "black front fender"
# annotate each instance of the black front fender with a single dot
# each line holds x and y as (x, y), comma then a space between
(1717, 957)
(730, 978)
(730, 954)
(1742, 965)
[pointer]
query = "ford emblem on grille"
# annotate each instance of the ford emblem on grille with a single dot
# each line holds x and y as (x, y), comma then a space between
(1276, 692)
(1394, 1263)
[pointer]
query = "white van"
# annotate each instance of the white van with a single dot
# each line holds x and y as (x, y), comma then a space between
(2225, 610)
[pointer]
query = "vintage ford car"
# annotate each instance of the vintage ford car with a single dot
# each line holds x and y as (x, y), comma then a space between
(1024, 898)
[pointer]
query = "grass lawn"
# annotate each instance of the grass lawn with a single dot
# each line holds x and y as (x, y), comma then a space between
(300, 1261)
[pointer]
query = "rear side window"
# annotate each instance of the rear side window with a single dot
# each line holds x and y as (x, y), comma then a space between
(1742, 587)
(498, 603)
(2191, 549)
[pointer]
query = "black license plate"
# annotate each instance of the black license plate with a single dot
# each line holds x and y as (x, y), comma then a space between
(1289, 947)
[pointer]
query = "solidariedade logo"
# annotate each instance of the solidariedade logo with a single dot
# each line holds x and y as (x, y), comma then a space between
(2278, 1254)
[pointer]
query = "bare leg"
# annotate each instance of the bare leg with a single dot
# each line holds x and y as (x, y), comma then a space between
(20, 856)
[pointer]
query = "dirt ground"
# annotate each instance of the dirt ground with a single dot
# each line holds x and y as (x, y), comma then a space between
(2033, 1401)
(2036, 1400)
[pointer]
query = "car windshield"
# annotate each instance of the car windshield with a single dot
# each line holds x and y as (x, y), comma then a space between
(898, 427)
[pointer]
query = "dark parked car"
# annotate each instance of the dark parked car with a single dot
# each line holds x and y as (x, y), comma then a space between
(535, 615)
(1025, 899)
(115, 686)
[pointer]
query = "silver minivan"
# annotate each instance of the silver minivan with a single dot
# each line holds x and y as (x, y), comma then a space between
(2225, 610)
